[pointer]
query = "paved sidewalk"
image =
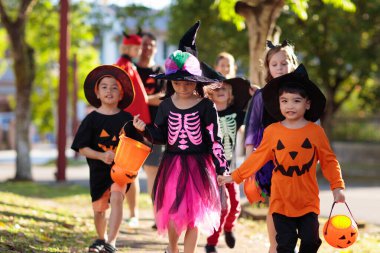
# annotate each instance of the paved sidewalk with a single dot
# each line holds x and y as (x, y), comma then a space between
(364, 202)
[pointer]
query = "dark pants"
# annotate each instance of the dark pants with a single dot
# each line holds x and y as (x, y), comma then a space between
(289, 229)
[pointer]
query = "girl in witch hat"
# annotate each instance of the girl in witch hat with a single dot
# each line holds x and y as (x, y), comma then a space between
(295, 144)
(109, 89)
(230, 98)
(186, 195)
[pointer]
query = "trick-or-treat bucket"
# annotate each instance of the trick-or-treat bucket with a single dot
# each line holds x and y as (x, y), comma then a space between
(130, 156)
(252, 190)
(340, 231)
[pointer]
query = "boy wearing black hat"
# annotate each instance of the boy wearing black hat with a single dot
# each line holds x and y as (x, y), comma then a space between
(295, 145)
(109, 89)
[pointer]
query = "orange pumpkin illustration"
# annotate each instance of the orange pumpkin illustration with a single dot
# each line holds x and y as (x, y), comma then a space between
(107, 142)
(303, 157)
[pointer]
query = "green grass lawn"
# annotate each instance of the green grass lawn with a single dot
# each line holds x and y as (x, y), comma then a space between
(58, 218)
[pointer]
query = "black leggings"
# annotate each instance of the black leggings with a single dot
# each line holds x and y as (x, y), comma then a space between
(289, 229)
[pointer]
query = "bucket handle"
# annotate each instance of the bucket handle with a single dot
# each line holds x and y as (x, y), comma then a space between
(122, 131)
(328, 221)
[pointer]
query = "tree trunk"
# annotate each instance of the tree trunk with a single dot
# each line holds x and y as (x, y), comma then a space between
(24, 70)
(327, 119)
(261, 17)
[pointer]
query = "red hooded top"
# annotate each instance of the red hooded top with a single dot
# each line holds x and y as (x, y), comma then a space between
(140, 103)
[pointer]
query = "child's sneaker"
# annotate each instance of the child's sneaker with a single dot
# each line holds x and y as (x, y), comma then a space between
(230, 239)
(133, 222)
(210, 249)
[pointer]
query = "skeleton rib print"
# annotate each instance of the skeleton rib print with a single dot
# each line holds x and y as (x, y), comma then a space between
(228, 128)
(185, 128)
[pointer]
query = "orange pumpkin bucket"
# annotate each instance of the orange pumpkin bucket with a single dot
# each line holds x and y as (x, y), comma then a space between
(340, 231)
(130, 156)
(252, 191)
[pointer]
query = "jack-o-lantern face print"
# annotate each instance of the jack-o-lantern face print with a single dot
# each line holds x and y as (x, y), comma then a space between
(300, 157)
(107, 142)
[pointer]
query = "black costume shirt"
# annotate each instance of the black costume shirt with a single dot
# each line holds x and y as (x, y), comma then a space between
(187, 131)
(230, 120)
(100, 132)
(152, 86)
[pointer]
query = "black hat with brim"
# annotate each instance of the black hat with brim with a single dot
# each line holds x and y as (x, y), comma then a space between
(183, 75)
(119, 74)
(240, 91)
(240, 86)
(300, 78)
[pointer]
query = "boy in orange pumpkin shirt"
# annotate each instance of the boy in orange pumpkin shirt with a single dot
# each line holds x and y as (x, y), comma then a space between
(295, 144)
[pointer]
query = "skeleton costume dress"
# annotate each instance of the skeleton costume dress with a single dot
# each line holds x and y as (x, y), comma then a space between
(185, 190)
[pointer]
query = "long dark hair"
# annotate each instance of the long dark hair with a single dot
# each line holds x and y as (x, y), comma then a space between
(170, 90)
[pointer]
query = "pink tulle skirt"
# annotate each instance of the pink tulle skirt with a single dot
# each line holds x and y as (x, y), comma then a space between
(186, 194)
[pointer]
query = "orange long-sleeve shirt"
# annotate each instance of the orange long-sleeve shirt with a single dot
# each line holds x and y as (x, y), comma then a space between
(295, 153)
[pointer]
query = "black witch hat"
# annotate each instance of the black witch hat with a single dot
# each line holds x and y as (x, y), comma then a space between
(240, 86)
(182, 64)
(300, 78)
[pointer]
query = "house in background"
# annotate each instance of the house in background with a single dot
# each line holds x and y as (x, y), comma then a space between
(111, 38)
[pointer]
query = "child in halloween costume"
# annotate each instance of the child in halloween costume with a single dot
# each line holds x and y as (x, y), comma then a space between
(131, 48)
(295, 144)
(279, 60)
(109, 89)
(186, 195)
(230, 100)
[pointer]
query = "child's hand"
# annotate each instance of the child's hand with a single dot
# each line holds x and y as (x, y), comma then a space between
(224, 179)
(108, 156)
(138, 123)
(339, 196)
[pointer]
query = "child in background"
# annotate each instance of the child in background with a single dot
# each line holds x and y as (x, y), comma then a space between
(295, 144)
(186, 195)
(279, 60)
(225, 64)
(230, 100)
(130, 49)
(109, 89)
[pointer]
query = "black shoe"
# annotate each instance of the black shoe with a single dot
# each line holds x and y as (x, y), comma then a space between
(154, 226)
(230, 239)
(210, 249)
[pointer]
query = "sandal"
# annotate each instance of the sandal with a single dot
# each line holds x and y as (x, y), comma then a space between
(97, 246)
(108, 248)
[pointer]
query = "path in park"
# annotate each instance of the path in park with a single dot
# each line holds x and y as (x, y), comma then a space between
(364, 202)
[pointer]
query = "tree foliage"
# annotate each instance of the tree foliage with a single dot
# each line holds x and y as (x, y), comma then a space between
(45, 41)
(342, 50)
(214, 35)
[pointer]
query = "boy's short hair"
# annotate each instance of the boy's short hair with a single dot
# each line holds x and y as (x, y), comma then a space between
(292, 88)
